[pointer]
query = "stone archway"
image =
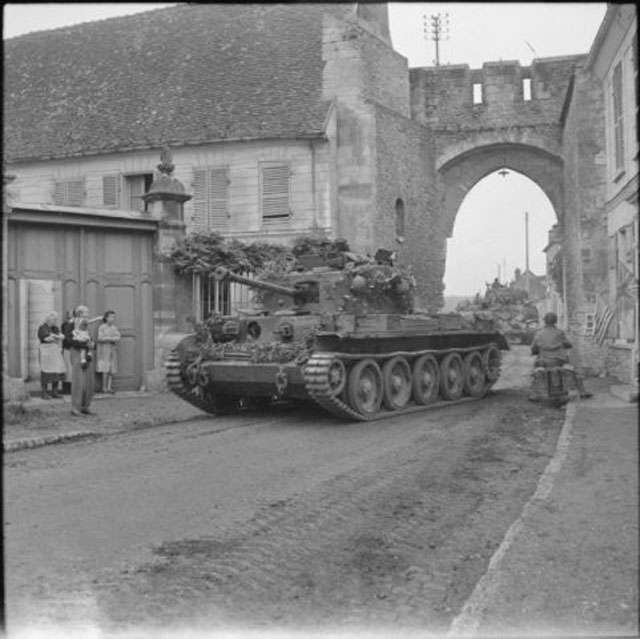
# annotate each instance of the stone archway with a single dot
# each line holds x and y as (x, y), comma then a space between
(460, 174)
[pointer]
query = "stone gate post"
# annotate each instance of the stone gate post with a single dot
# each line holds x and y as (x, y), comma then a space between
(165, 201)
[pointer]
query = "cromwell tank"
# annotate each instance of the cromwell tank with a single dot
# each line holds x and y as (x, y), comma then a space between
(340, 330)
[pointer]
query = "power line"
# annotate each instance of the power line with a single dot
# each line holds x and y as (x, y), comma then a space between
(436, 28)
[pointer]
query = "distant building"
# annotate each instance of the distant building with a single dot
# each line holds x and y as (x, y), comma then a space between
(613, 60)
(535, 285)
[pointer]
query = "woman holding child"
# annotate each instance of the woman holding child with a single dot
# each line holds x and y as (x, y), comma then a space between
(81, 356)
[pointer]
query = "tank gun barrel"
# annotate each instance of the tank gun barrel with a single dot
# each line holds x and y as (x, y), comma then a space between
(221, 274)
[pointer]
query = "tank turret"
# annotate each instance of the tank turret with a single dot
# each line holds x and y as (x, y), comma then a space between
(303, 293)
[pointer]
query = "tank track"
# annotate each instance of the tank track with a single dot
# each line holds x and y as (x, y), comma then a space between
(317, 384)
(176, 385)
(316, 375)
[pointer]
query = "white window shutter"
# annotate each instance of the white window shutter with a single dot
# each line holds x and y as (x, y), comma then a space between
(200, 208)
(69, 193)
(275, 192)
(218, 199)
(75, 192)
(111, 190)
(59, 193)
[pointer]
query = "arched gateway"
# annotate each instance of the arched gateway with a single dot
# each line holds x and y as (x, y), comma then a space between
(543, 121)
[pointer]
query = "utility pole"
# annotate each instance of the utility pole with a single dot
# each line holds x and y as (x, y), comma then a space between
(526, 241)
(436, 28)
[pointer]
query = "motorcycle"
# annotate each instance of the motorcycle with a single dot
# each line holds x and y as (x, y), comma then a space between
(551, 384)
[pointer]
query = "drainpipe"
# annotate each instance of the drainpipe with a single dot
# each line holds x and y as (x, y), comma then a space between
(313, 185)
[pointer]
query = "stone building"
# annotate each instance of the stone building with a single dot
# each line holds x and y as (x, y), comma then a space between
(613, 61)
(282, 120)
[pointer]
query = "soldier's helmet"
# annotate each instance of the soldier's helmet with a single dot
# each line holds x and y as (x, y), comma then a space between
(550, 319)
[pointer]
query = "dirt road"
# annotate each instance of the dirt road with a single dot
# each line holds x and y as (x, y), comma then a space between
(285, 520)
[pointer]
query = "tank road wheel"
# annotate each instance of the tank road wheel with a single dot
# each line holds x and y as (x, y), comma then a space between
(337, 377)
(451, 376)
(426, 380)
(491, 359)
(365, 387)
(396, 377)
(475, 382)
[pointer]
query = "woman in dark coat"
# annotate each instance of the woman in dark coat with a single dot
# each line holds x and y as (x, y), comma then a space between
(52, 367)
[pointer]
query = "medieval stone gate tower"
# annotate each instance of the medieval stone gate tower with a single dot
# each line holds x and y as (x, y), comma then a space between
(543, 121)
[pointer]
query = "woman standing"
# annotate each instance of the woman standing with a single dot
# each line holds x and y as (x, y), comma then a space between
(108, 337)
(67, 328)
(52, 368)
(81, 376)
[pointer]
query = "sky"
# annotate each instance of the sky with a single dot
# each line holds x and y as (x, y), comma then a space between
(489, 234)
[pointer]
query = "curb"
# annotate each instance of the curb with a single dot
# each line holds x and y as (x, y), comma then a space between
(37, 442)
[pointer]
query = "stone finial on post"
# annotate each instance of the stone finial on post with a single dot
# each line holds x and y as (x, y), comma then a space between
(166, 195)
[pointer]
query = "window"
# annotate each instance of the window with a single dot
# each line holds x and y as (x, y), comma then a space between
(626, 293)
(111, 190)
(135, 186)
(210, 199)
(69, 193)
(618, 132)
(634, 67)
(274, 192)
(526, 89)
(477, 93)
(589, 323)
(399, 220)
(214, 297)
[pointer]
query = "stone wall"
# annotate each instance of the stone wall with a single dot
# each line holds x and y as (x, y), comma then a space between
(584, 231)
(362, 73)
(443, 95)
(405, 170)
(622, 363)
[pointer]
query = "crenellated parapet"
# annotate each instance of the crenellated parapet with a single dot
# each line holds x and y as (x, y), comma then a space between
(501, 93)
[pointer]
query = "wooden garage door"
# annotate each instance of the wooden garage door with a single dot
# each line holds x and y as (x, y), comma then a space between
(103, 268)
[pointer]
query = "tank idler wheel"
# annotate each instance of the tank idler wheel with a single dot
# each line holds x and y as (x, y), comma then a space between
(426, 380)
(365, 387)
(452, 376)
(475, 381)
(337, 376)
(396, 376)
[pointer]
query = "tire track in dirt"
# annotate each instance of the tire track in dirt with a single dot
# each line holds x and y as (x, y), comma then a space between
(400, 540)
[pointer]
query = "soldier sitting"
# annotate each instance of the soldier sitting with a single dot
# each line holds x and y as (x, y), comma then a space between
(550, 345)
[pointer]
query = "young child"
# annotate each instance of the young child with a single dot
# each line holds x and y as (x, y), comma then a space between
(80, 334)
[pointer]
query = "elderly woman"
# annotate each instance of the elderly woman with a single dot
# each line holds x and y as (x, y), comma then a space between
(81, 371)
(52, 367)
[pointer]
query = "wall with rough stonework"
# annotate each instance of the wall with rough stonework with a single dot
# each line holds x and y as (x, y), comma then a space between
(361, 72)
(406, 171)
(621, 362)
(584, 231)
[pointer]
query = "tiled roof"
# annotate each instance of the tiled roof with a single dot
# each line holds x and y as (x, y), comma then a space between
(189, 73)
